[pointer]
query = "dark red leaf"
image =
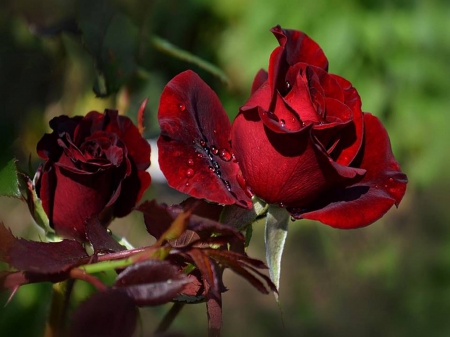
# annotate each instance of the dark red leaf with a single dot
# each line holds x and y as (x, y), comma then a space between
(202, 208)
(194, 152)
(101, 240)
(105, 314)
(151, 282)
(40, 257)
(244, 266)
(158, 219)
(206, 267)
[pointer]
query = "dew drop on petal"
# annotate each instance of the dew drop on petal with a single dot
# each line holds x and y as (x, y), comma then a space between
(288, 85)
(282, 122)
(187, 184)
(391, 180)
(189, 173)
(281, 205)
(211, 168)
(227, 184)
(199, 155)
(190, 162)
(215, 131)
(202, 143)
(182, 107)
(214, 150)
(225, 155)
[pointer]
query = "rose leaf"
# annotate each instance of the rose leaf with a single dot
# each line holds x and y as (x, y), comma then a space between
(112, 39)
(151, 282)
(111, 313)
(9, 181)
(101, 240)
(40, 257)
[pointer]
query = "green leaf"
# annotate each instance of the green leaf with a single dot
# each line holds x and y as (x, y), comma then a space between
(168, 48)
(277, 221)
(9, 181)
(112, 39)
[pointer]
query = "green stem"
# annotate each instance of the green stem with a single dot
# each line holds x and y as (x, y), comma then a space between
(58, 308)
(169, 317)
(168, 48)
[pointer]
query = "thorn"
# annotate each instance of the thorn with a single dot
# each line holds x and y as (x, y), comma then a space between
(13, 292)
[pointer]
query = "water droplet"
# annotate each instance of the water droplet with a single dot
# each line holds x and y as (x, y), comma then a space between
(288, 85)
(303, 123)
(189, 173)
(215, 131)
(224, 154)
(190, 162)
(281, 205)
(391, 180)
(182, 107)
(187, 184)
(199, 155)
(282, 122)
(202, 143)
(215, 164)
(211, 168)
(214, 150)
(227, 184)
(376, 186)
(218, 173)
(385, 186)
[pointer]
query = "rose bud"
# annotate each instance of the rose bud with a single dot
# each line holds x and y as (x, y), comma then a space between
(94, 166)
(302, 141)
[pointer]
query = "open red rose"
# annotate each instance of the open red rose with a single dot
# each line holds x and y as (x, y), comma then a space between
(94, 166)
(302, 141)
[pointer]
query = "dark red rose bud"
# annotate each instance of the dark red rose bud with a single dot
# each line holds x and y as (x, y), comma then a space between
(302, 141)
(94, 166)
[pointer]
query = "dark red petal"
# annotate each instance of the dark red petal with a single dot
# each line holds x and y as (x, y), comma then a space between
(350, 142)
(287, 168)
(194, 152)
(47, 147)
(299, 47)
(138, 148)
(260, 78)
(77, 197)
(132, 190)
(366, 201)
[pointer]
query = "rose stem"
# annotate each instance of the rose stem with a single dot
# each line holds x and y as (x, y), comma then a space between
(58, 308)
(169, 317)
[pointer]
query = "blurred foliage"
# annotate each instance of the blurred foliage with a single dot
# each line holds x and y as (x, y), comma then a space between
(390, 279)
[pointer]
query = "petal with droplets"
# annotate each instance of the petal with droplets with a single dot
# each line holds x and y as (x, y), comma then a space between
(194, 132)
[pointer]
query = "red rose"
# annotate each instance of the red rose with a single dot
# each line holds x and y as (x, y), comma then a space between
(94, 165)
(303, 142)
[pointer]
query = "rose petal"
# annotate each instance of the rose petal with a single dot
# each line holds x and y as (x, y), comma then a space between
(290, 168)
(366, 201)
(350, 142)
(194, 152)
(299, 47)
(260, 78)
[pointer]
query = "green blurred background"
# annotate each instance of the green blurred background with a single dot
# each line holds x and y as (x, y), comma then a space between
(389, 279)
